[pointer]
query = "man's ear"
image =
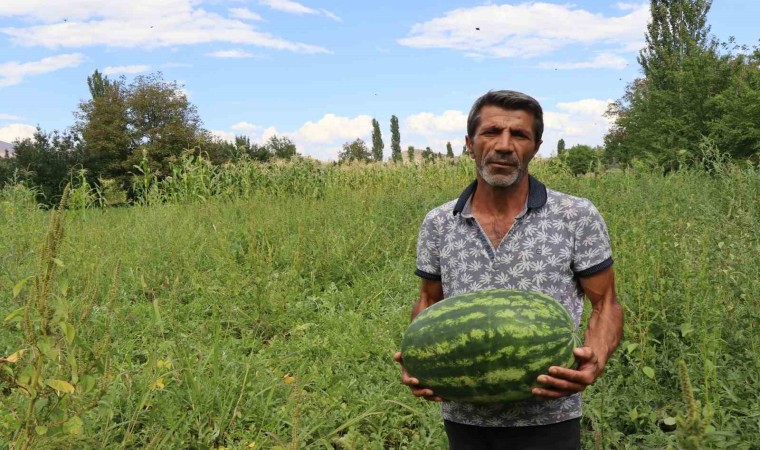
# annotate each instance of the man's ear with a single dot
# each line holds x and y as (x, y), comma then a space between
(468, 143)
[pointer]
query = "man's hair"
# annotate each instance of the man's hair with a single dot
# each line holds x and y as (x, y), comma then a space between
(510, 100)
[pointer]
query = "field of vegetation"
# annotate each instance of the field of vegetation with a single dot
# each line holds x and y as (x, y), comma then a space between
(259, 307)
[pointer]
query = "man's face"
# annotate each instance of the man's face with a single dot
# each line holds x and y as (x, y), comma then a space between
(503, 145)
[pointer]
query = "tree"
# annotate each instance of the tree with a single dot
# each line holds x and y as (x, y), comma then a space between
(281, 147)
(428, 155)
(355, 151)
(161, 121)
(560, 147)
(449, 151)
(104, 128)
(46, 161)
(395, 140)
(581, 159)
(665, 113)
(377, 141)
(410, 153)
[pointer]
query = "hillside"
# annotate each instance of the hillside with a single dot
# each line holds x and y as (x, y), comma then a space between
(5, 146)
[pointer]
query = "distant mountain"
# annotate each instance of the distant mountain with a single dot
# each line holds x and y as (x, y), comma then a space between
(5, 146)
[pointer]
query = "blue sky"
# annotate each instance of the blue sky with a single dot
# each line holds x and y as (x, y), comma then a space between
(317, 71)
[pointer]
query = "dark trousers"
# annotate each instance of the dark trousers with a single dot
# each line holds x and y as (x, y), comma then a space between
(558, 436)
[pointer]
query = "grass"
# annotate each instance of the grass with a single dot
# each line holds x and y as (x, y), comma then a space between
(267, 316)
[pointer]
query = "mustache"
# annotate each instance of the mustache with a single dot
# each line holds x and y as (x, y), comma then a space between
(511, 160)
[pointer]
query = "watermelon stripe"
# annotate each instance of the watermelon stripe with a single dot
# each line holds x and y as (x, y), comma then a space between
(488, 346)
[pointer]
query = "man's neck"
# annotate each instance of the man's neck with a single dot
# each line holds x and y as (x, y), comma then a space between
(501, 201)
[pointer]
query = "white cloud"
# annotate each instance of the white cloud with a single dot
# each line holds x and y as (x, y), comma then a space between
(526, 30)
(11, 132)
(624, 6)
(133, 24)
(578, 122)
(587, 107)
(223, 135)
(603, 60)
(245, 126)
(429, 124)
(332, 128)
(245, 14)
(12, 73)
(236, 53)
(291, 7)
(10, 117)
(118, 70)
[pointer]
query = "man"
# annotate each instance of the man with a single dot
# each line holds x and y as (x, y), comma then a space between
(507, 230)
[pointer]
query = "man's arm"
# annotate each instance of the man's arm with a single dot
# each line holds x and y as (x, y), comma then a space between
(603, 334)
(431, 292)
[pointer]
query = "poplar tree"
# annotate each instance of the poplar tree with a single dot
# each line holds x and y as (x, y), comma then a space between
(449, 151)
(664, 114)
(377, 141)
(395, 140)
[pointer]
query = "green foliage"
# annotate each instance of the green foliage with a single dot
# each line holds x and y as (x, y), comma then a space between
(395, 140)
(560, 147)
(239, 323)
(377, 141)
(355, 151)
(428, 155)
(449, 151)
(45, 161)
(55, 377)
(280, 148)
(581, 159)
(689, 90)
(410, 154)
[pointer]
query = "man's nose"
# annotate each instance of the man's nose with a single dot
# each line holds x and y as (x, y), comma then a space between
(504, 142)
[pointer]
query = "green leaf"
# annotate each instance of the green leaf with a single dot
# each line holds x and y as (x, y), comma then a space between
(58, 262)
(649, 372)
(40, 430)
(14, 314)
(669, 421)
(87, 383)
(68, 332)
(61, 386)
(20, 285)
(73, 426)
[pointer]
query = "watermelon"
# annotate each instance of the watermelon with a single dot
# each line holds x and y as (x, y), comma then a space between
(488, 346)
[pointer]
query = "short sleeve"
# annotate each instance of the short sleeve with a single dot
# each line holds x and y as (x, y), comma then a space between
(592, 251)
(428, 247)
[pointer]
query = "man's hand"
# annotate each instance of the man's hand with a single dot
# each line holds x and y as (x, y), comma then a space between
(413, 383)
(562, 382)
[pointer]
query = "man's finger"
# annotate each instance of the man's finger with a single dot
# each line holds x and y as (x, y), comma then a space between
(559, 384)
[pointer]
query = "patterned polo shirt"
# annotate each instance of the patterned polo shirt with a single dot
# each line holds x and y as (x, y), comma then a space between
(554, 240)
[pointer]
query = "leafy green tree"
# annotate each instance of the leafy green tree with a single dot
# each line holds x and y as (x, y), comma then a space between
(161, 121)
(560, 147)
(377, 141)
(395, 140)
(581, 159)
(449, 151)
(47, 161)
(410, 153)
(281, 147)
(736, 123)
(428, 155)
(103, 125)
(665, 113)
(355, 151)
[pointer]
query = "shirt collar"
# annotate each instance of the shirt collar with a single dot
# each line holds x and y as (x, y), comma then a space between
(536, 195)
